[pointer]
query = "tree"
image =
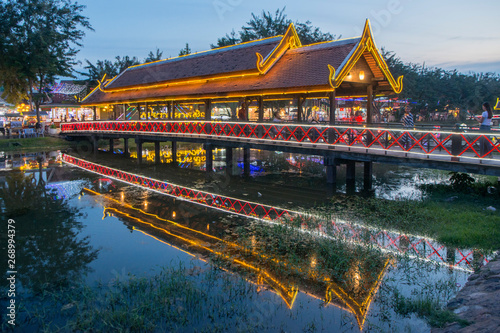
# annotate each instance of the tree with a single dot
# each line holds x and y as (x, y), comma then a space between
(435, 89)
(39, 41)
(185, 51)
(95, 72)
(154, 57)
(269, 25)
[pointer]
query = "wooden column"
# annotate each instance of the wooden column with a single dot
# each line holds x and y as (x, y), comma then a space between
(125, 108)
(246, 162)
(94, 113)
(261, 109)
(229, 161)
(157, 152)
(111, 145)
(331, 122)
(139, 110)
(369, 105)
(261, 131)
(333, 107)
(208, 110)
(369, 113)
(146, 108)
(138, 143)
(173, 110)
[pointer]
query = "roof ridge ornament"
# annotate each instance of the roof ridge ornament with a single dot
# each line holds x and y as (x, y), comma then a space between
(101, 82)
(290, 40)
(367, 43)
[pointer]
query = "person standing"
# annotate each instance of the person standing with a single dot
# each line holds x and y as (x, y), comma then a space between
(275, 129)
(408, 123)
(485, 126)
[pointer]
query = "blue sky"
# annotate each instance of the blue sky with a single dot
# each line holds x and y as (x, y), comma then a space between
(449, 34)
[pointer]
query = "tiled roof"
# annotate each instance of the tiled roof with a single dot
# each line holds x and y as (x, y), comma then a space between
(304, 67)
(235, 59)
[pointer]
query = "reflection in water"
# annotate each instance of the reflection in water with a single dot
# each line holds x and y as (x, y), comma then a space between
(351, 287)
(185, 157)
(392, 241)
(55, 254)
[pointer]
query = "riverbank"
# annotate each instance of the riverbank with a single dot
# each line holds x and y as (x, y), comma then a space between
(478, 302)
(47, 143)
(462, 220)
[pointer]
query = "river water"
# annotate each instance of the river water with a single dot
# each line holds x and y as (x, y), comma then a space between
(75, 225)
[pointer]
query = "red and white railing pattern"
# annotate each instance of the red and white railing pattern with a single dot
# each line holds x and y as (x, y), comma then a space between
(425, 142)
(391, 241)
(231, 205)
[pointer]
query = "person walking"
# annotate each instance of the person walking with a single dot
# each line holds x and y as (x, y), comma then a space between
(485, 126)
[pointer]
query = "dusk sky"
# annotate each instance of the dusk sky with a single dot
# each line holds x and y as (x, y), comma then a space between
(460, 34)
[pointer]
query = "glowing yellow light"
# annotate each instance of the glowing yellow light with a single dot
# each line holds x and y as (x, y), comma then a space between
(362, 75)
(208, 226)
(313, 262)
(174, 215)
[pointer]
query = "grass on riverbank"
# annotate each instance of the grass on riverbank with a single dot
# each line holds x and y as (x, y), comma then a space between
(34, 144)
(457, 219)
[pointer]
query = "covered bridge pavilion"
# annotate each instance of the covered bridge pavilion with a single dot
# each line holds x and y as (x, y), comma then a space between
(271, 69)
(279, 68)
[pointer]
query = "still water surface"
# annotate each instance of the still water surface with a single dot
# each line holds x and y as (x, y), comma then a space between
(73, 225)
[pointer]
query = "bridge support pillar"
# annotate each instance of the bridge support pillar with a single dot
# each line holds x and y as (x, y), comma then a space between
(229, 162)
(174, 152)
(138, 143)
(157, 152)
(246, 162)
(111, 145)
(95, 146)
(350, 177)
(209, 158)
(331, 173)
(367, 176)
(125, 147)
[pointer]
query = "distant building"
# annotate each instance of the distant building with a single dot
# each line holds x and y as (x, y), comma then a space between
(64, 102)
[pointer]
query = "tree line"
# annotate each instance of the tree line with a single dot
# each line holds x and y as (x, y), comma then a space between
(432, 89)
(39, 40)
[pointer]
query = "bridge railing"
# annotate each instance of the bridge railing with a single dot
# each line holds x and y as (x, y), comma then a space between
(463, 142)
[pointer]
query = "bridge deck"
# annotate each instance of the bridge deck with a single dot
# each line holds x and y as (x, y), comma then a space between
(457, 151)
